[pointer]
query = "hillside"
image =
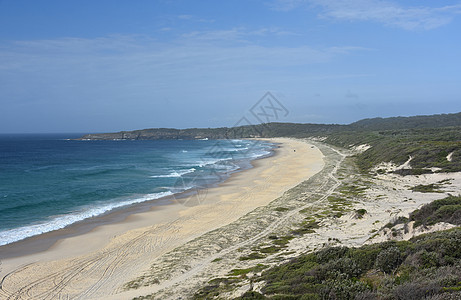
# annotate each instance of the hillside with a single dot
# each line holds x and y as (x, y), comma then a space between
(431, 141)
(427, 150)
(283, 129)
(249, 131)
(433, 121)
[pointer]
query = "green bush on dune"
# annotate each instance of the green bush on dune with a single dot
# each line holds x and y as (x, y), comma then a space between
(446, 210)
(425, 266)
(428, 148)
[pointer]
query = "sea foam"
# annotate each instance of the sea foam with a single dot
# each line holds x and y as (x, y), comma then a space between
(59, 222)
(90, 179)
(175, 173)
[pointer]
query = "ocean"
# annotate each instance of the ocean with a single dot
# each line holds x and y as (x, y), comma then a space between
(50, 181)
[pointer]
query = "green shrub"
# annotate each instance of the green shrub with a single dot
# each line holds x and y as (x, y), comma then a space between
(282, 241)
(252, 295)
(359, 213)
(428, 188)
(331, 253)
(389, 259)
(343, 289)
(444, 210)
(251, 256)
(428, 259)
(281, 209)
(365, 256)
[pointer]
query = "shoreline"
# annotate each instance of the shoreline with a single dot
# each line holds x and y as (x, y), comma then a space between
(129, 247)
(45, 241)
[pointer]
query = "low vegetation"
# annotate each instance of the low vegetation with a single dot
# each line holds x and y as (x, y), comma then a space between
(305, 227)
(431, 188)
(360, 213)
(446, 210)
(426, 266)
(427, 188)
(429, 148)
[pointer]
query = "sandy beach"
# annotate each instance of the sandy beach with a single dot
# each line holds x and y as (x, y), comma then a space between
(319, 212)
(306, 196)
(98, 264)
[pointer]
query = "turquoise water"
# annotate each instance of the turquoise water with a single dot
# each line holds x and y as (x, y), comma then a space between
(48, 182)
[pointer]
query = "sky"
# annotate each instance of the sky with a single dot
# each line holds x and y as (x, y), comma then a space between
(111, 65)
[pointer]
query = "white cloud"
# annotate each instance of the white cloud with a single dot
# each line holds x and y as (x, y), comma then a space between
(141, 80)
(236, 34)
(384, 12)
(193, 18)
(198, 48)
(273, 31)
(286, 5)
(141, 68)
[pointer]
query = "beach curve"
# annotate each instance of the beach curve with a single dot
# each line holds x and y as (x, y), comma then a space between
(99, 263)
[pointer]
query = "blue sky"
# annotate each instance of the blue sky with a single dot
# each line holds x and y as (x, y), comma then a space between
(98, 66)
